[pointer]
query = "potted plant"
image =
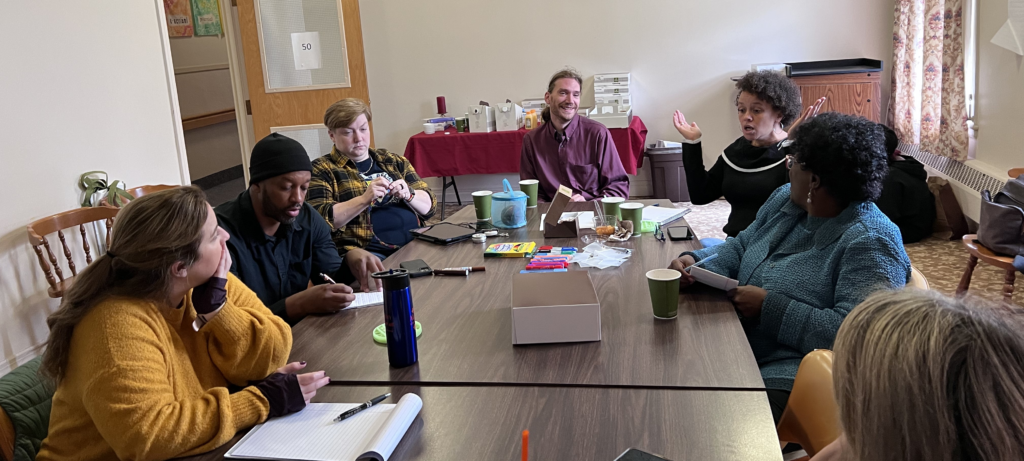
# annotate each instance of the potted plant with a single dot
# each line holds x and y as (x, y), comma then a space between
(103, 192)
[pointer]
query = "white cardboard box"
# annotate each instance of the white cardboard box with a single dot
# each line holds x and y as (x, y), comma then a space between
(620, 78)
(612, 115)
(481, 119)
(619, 99)
(556, 307)
(508, 117)
(610, 89)
(536, 104)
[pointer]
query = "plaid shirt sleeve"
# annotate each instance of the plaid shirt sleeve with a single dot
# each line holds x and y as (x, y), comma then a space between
(332, 184)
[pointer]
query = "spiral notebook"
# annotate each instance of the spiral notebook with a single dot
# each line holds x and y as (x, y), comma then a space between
(312, 434)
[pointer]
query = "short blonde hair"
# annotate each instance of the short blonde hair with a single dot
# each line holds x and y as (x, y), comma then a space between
(342, 113)
(919, 375)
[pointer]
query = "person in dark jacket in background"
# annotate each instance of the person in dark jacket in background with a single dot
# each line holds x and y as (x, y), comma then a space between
(905, 198)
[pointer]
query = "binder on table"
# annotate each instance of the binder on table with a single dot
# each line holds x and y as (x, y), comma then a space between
(663, 215)
(312, 434)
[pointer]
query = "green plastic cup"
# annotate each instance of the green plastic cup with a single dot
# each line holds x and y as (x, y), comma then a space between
(482, 203)
(633, 211)
(529, 186)
(664, 287)
(611, 206)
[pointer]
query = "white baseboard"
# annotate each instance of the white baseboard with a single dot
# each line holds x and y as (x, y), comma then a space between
(13, 362)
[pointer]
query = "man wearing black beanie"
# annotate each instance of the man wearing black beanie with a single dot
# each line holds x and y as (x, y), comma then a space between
(279, 243)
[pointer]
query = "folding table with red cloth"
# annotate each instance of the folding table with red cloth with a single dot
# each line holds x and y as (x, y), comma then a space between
(455, 154)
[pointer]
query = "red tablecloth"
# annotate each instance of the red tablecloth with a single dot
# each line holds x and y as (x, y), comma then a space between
(457, 154)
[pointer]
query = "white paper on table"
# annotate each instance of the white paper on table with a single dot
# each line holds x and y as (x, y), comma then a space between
(373, 298)
(306, 50)
(712, 279)
(312, 434)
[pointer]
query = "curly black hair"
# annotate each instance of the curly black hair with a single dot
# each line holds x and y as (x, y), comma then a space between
(846, 152)
(773, 88)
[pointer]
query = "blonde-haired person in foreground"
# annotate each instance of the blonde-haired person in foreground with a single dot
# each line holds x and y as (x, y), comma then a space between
(920, 376)
(151, 335)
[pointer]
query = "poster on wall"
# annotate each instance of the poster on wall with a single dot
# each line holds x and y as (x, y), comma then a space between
(206, 15)
(179, 18)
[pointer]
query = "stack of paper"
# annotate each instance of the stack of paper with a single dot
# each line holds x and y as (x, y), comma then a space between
(663, 215)
(712, 279)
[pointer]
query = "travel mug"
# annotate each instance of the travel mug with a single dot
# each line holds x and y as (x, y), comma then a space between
(399, 319)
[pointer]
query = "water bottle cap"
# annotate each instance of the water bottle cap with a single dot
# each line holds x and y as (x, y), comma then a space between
(393, 279)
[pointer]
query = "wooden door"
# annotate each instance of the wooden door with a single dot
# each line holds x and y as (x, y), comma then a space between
(854, 94)
(300, 107)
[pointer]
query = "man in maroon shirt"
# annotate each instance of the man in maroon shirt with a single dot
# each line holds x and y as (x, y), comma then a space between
(572, 151)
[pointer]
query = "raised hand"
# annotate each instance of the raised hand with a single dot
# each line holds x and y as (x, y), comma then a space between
(808, 113)
(690, 131)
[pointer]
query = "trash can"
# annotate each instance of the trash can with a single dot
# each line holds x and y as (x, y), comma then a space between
(667, 173)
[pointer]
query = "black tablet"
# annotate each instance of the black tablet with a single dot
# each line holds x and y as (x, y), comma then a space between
(444, 233)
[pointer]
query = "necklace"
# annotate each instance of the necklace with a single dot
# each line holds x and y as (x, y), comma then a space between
(368, 169)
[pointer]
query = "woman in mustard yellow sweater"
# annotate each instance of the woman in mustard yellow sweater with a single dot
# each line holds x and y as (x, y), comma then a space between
(151, 336)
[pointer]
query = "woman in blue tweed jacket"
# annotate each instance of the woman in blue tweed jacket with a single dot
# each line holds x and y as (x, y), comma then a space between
(817, 248)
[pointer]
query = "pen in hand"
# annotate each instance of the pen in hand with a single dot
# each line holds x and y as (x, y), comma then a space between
(709, 258)
(352, 412)
(327, 279)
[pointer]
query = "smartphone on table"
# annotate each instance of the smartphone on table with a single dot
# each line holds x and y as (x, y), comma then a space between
(416, 268)
(680, 233)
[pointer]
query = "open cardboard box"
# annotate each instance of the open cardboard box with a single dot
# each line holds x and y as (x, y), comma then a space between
(556, 307)
(553, 228)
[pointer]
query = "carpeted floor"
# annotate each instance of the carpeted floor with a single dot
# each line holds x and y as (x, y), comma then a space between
(941, 261)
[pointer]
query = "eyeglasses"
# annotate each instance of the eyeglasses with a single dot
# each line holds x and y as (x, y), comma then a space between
(791, 161)
(659, 234)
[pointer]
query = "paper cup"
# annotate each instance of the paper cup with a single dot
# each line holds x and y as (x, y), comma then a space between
(633, 212)
(529, 186)
(428, 128)
(482, 203)
(664, 287)
(611, 206)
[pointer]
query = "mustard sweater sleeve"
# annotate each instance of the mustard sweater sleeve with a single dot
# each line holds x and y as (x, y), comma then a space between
(246, 341)
(134, 405)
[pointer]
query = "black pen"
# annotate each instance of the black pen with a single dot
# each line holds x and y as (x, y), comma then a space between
(352, 412)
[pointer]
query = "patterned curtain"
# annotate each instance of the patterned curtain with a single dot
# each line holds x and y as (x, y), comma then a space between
(928, 106)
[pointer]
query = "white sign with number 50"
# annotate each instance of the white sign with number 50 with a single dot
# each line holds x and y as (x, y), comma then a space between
(306, 50)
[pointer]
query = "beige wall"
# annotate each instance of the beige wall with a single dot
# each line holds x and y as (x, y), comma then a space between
(681, 54)
(119, 87)
(1000, 96)
(204, 86)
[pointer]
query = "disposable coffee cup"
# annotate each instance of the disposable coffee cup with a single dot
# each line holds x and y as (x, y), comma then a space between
(664, 287)
(611, 206)
(482, 203)
(634, 212)
(428, 128)
(529, 186)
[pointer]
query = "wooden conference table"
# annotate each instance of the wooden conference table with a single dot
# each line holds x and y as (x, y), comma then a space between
(687, 388)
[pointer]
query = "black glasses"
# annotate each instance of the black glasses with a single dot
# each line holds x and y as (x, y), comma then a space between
(659, 234)
(789, 162)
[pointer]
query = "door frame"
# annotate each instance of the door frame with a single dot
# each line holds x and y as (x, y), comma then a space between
(172, 94)
(238, 83)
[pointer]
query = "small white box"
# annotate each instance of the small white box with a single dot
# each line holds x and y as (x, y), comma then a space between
(617, 78)
(619, 99)
(481, 119)
(612, 115)
(610, 89)
(782, 68)
(508, 117)
(536, 104)
(559, 307)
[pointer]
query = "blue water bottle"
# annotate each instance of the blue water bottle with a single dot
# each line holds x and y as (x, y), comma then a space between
(399, 319)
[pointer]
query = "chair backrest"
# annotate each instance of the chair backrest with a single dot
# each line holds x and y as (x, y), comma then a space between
(143, 190)
(811, 417)
(1014, 172)
(37, 232)
(917, 279)
(6, 437)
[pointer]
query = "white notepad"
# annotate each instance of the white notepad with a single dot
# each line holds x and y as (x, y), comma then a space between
(712, 279)
(663, 214)
(373, 298)
(312, 434)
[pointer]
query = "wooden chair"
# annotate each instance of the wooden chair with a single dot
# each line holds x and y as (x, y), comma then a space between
(6, 437)
(978, 251)
(917, 279)
(811, 417)
(1014, 172)
(143, 190)
(37, 232)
